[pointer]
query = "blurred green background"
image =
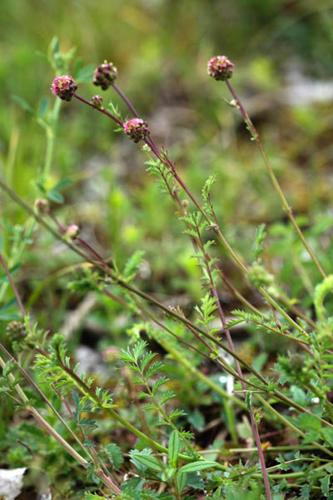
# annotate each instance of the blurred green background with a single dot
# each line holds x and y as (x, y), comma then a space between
(161, 48)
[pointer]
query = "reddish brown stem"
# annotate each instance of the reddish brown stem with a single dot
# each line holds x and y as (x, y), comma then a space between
(13, 286)
(284, 202)
(128, 103)
(101, 110)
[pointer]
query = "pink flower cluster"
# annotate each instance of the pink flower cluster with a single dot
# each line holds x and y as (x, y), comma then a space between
(136, 128)
(64, 87)
(220, 68)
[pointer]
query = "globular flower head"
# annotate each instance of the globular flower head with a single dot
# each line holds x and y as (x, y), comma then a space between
(64, 87)
(97, 101)
(104, 75)
(136, 128)
(220, 68)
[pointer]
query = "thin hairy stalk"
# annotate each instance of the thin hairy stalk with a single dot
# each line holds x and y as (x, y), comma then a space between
(13, 286)
(268, 449)
(221, 362)
(145, 313)
(101, 110)
(225, 329)
(168, 163)
(294, 309)
(152, 300)
(237, 293)
(50, 140)
(302, 343)
(52, 432)
(102, 265)
(289, 424)
(280, 396)
(189, 367)
(282, 297)
(127, 101)
(184, 361)
(284, 202)
(90, 393)
(303, 274)
(283, 313)
(161, 156)
(235, 256)
(87, 391)
(265, 294)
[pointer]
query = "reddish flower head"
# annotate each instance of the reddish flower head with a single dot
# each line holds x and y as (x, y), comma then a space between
(136, 128)
(220, 68)
(104, 75)
(64, 87)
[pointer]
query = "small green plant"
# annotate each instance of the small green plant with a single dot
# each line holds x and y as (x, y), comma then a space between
(132, 435)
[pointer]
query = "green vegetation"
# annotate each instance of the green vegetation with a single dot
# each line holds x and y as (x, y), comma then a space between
(166, 303)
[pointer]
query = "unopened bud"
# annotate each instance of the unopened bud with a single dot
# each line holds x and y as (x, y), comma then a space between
(104, 75)
(97, 101)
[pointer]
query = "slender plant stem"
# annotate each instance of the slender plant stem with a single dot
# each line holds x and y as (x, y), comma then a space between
(237, 259)
(50, 139)
(127, 101)
(132, 289)
(87, 391)
(102, 265)
(13, 286)
(178, 356)
(289, 424)
(284, 202)
(101, 110)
